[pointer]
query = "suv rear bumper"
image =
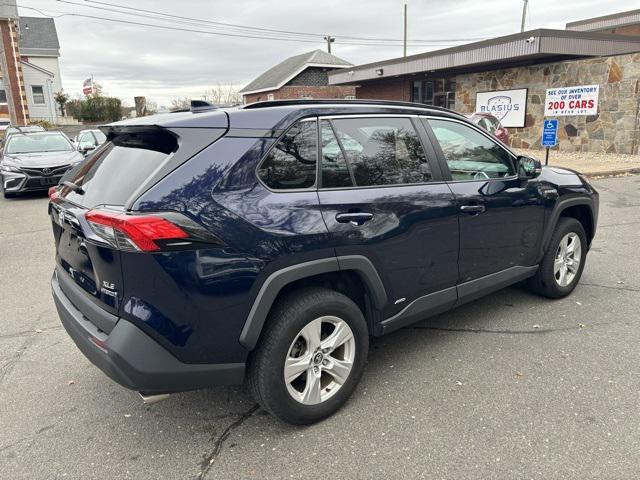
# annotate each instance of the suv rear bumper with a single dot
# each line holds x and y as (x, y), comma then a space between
(131, 358)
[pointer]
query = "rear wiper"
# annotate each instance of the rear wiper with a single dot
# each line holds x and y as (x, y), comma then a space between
(76, 188)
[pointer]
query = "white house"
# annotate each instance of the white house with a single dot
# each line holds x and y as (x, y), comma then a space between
(39, 53)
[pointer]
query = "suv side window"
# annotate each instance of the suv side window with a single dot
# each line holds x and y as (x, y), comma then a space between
(335, 170)
(471, 155)
(291, 164)
(379, 151)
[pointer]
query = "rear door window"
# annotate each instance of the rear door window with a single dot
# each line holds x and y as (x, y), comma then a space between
(116, 170)
(335, 170)
(380, 151)
(292, 163)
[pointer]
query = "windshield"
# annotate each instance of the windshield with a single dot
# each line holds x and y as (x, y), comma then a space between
(37, 143)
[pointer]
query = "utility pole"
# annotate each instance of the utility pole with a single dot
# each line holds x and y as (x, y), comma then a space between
(329, 39)
(524, 14)
(404, 43)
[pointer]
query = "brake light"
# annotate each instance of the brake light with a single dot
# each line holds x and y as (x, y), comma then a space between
(133, 232)
(54, 196)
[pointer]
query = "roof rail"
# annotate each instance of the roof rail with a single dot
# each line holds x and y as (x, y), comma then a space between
(339, 101)
(201, 106)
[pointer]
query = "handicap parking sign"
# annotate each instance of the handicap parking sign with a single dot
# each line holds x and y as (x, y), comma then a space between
(550, 133)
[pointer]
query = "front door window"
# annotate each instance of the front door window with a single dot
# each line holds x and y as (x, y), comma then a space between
(469, 154)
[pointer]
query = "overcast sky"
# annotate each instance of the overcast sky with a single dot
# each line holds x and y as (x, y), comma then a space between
(131, 60)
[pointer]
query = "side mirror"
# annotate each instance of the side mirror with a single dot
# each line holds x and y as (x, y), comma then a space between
(86, 150)
(528, 167)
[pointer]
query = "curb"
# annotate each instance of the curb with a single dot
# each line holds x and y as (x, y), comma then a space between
(613, 173)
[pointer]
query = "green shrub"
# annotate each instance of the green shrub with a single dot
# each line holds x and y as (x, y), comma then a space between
(95, 108)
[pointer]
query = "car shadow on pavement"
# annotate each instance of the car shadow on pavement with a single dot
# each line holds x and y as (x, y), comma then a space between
(26, 196)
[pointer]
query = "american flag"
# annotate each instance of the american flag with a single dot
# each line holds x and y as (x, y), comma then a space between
(87, 86)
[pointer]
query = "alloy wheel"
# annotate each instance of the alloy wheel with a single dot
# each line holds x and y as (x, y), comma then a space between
(567, 259)
(319, 360)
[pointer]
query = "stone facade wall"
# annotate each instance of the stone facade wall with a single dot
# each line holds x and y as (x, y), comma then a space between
(614, 129)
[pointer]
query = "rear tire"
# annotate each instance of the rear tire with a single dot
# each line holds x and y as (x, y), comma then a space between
(563, 262)
(310, 356)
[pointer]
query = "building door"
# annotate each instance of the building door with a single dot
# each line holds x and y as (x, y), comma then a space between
(439, 92)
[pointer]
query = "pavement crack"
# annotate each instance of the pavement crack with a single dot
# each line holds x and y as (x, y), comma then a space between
(621, 224)
(610, 287)
(29, 333)
(209, 460)
(536, 331)
(8, 367)
(26, 232)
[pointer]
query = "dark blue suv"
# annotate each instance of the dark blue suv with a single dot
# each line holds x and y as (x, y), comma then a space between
(267, 242)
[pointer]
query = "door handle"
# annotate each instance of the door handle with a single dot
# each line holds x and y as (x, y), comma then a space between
(473, 209)
(354, 218)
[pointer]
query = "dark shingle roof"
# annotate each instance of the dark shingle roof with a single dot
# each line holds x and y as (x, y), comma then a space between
(38, 36)
(277, 76)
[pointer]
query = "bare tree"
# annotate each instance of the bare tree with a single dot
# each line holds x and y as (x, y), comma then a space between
(223, 95)
(180, 103)
(152, 107)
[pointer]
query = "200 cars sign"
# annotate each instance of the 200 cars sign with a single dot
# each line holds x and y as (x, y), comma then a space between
(582, 100)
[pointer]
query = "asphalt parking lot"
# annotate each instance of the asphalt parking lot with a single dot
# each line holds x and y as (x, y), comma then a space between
(510, 386)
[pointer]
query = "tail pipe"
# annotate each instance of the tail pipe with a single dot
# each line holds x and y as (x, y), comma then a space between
(149, 399)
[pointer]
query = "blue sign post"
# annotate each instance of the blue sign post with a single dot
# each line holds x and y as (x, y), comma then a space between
(549, 136)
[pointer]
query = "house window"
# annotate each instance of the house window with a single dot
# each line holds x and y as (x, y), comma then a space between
(349, 97)
(270, 97)
(3, 96)
(38, 94)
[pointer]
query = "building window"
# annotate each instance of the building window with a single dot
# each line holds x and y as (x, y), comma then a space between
(349, 97)
(38, 94)
(3, 96)
(270, 97)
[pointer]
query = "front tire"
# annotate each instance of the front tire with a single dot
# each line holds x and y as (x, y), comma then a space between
(310, 356)
(563, 262)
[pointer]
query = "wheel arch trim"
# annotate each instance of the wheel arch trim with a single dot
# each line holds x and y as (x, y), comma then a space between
(281, 278)
(560, 207)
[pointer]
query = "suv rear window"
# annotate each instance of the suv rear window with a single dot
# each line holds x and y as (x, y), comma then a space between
(113, 173)
(291, 163)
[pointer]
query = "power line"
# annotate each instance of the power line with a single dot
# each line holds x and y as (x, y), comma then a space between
(263, 29)
(209, 32)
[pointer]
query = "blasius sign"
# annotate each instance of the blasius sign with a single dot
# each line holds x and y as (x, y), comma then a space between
(582, 100)
(508, 106)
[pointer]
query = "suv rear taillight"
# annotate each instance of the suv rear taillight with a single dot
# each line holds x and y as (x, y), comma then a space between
(133, 232)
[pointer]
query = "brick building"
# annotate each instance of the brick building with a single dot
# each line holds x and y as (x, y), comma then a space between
(603, 52)
(300, 76)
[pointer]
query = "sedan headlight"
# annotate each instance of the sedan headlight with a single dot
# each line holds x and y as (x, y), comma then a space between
(5, 167)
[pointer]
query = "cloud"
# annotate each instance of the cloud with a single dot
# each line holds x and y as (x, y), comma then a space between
(131, 60)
